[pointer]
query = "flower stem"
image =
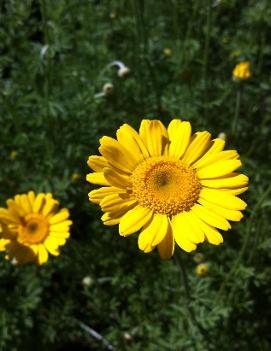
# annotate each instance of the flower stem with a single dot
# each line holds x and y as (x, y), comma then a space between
(206, 54)
(237, 110)
(185, 283)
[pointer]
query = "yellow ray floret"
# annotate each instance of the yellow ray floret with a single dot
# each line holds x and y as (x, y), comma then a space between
(170, 185)
(32, 227)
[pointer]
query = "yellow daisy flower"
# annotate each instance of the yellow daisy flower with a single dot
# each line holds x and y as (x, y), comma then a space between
(242, 71)
(32, 226)
(174, 185)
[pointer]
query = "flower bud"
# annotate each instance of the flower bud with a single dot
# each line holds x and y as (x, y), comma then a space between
(202, 269)
(75, 177)
(167, 52)
(108, 88)
(222, 136)
(87, 281)
(241, 71)
(13, 155)
(123, 72)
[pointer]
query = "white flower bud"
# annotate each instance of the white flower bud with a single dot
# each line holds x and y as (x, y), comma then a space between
(87, 281)
(127, 336)
(123, 72)
(222, 136)
(108, 88)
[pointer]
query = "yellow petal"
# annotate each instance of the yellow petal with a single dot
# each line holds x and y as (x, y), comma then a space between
(189, 232)
(97, 163)
(153, 233)
(117, 179)
(116, 202)
(24, 202)
(197, 234)
(179, 136)
(236, 191)
(38, 203)
(134, 220)
(7, 217)
(199, 144)
(109, 220)
(126, 135)
(3, 244)
(117, 155)
(181, 233)
(167, 245)
(211, 234)
(50, 205)
(42, 254)
(15, 209)
(60, 235)
(154, 135)
(217, 146)
(31, 197)
(97, 178)
(213, 158)
(97, 195)
(234, 180)
(52, 244)
(60, 216)
(219, 169)
(114, 217)
(223, 199)
(61, 227)
(222, 211)
(210, 217)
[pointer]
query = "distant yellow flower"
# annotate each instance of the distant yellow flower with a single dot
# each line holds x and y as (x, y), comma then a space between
(32, 226)
(13, 154)
(174, 185)
(242, 71)
(202, 269)
(167, 52)
(76, 177)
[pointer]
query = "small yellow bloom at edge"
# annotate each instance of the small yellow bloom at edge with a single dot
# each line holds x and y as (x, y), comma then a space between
(242, 71)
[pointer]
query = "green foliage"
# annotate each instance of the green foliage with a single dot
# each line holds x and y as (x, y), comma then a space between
(53, 63)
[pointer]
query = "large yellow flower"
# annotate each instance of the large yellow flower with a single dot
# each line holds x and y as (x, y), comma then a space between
(174, 185)
(32, 226)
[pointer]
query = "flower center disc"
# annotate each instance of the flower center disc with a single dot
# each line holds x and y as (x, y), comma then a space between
(165, 185)
(34, 229)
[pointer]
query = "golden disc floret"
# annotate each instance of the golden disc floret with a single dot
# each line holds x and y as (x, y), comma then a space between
(165, 185)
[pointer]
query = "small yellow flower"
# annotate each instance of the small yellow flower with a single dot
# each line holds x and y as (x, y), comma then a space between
(167, 52)
(13, 155)
(32, 226)
(242, 71)
(75, 177)
(173, 185)
(202, 269)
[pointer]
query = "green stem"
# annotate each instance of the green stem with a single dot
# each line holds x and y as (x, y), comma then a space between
(206, 54)
(184, 278)
(185, 283)
(237, 110)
